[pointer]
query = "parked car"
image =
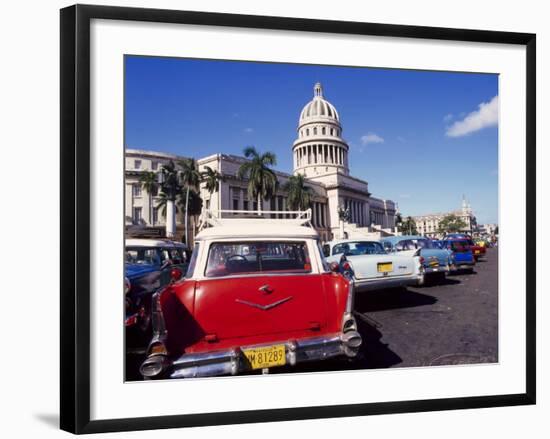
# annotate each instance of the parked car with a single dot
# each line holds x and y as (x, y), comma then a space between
(463, 258)
(371, 267)
(149, 264)
(477, 249)
(435, 262)
(258, 294)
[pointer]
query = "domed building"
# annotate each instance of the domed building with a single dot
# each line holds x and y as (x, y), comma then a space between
(320, 153)
(319, 148)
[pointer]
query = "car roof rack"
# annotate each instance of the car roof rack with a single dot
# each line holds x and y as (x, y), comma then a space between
(217, 218)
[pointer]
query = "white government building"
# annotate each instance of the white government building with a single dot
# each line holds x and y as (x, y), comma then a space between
(320, 153)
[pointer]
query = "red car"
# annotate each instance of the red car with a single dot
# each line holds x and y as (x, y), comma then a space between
(477, 250)
(258, 294)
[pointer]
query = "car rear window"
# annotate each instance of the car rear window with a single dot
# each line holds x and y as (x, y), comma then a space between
(229, 258)
(460, 246)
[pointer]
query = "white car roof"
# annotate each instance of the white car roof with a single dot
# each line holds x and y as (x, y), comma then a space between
(265, 229)
(231, 224)
(154, 243)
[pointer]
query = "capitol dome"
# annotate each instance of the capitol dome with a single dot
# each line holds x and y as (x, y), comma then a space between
(319, 107)
(320, 148)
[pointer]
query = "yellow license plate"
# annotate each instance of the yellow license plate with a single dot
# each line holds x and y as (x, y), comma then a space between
(385, 267)
(269, 356)
(477, 252)
(434, 264)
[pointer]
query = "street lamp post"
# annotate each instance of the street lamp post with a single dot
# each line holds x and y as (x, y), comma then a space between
(168, 186)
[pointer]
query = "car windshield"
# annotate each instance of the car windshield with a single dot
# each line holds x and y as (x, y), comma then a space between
(227, 258)
(142, 256)
(358, 248)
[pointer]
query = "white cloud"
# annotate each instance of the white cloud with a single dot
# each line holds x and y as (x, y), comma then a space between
(371, 138)
(248, 130)
(485, 116)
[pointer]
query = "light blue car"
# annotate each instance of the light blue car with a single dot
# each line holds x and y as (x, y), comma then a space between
(435, 262)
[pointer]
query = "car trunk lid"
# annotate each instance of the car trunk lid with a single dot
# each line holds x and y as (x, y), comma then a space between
(256, 305)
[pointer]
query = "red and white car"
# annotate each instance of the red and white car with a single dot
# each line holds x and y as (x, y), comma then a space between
(258, 294)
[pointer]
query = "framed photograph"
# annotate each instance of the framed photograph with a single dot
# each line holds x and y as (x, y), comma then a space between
(273, 218)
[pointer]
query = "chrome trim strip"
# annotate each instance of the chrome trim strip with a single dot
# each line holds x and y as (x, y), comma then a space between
(264, 307)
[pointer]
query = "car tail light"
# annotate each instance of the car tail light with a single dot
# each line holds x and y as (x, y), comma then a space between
(175, 274)
(334, 267)
(422, 259)
(346, 266)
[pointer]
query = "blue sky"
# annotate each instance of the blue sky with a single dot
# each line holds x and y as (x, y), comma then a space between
(419, 138)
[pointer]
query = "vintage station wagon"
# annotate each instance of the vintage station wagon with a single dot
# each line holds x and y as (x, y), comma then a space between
(258, 294)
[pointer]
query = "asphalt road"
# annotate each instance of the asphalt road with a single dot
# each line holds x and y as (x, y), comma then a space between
(454, 321)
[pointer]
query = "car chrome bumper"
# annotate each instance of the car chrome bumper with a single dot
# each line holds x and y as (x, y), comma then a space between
(232, 361)
(385, 282)
(462, 265)
(438, 269)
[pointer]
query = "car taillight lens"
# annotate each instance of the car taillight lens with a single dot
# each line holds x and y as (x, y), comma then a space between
(175, 274)
(422, 259)
(346, 266)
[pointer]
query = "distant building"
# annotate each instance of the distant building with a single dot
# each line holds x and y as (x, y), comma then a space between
(488, 229)
(319, 153)
(428, 225)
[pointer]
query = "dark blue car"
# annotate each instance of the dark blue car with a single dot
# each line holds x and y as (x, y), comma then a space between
(149, 265)
(462, 255)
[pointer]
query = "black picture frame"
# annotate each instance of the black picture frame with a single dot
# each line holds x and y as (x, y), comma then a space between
(75, 217)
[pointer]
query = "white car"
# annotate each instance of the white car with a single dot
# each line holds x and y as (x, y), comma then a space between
(371, 267)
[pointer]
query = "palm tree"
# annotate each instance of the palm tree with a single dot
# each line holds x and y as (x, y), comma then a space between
(212, 179)
(262, 181)
(149, 184)
(299, 195)
(190, 177)
(193, 201)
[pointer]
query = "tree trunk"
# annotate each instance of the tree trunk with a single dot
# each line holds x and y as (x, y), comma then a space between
(187, 217)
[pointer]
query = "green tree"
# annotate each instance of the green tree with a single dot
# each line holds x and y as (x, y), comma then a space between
(299, 195)
(262, 180)
(150, 185)
(407, 226)
(212, 179)
(190, 178)
(451, 224)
